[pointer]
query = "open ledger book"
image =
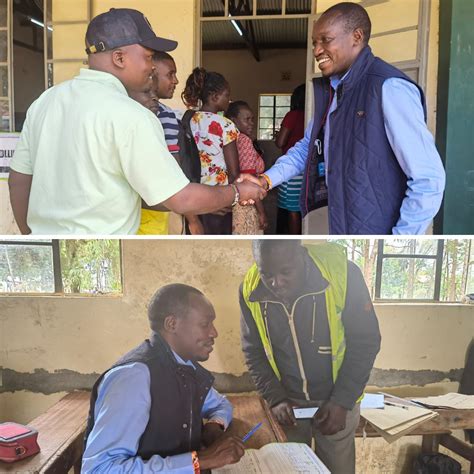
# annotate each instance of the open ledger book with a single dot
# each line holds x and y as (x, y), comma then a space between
(277, 458)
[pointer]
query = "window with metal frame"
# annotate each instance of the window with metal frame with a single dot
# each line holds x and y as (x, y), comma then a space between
(272, 108)
(415, 270)
(425, 270)
(84, 267)
(409, 269)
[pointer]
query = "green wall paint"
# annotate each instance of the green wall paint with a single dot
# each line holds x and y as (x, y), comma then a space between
(455, 120)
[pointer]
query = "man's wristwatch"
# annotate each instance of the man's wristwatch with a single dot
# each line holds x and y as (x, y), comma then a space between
(236, 194)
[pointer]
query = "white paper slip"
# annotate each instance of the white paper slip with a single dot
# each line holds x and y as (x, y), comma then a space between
(372, 400)
(304, 413)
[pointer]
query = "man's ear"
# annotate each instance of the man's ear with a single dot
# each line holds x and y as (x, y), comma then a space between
(118, 58)
(358, 36)
(170, 323)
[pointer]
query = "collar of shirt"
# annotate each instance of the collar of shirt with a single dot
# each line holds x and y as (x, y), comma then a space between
(336, 80)
(103, 78)
(181, 361)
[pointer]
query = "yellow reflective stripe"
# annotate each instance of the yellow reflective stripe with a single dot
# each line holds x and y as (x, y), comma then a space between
(331, 261)
(250, 283)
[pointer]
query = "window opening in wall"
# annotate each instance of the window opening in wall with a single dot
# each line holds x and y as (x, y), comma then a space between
(260, 47)
(417, 270)
(271, 111)
(409, 269)
(81, 267)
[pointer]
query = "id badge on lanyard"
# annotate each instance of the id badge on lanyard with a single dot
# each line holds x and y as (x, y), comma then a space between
(320, 189)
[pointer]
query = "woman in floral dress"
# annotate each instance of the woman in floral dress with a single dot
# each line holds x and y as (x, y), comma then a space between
(215, 137)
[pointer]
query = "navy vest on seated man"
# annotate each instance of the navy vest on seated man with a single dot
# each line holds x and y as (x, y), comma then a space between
(365, 182)
(177, 393)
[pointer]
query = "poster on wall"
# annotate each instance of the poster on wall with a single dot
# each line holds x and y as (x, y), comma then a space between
(8, 142)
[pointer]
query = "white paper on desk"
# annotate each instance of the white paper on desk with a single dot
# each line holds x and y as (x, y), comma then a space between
(277, 458)
(304, 413)
(392, 417)
(372, 400)
(450, 400)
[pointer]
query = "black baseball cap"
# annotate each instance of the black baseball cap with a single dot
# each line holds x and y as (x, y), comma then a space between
(123, 27)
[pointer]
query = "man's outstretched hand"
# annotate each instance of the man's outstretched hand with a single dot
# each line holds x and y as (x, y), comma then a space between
(283, 412)
(330, 418)
(251, 189)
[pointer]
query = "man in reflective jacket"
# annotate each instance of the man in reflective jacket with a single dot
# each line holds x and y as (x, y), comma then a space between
(310, 336)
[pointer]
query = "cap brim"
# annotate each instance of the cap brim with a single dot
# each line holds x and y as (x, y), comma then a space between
(160, 44)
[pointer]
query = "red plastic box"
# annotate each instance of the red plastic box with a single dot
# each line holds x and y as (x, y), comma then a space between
(17, 442)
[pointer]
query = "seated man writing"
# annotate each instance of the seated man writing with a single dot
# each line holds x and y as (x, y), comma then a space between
(147, 410)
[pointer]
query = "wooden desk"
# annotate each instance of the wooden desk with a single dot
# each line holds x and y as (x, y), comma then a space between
(61, 432)
(438, 431)
(250, 410)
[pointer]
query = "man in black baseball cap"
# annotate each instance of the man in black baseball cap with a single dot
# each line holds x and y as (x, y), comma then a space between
(122, 42)
(97, 153)
(123, 27)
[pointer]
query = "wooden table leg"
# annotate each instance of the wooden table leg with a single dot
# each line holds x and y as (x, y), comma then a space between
(77, 466)
(430, 444)
(465, 450)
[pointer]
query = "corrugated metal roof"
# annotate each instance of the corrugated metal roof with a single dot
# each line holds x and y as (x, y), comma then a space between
(216, 34)
(264, 7)
(267, 33)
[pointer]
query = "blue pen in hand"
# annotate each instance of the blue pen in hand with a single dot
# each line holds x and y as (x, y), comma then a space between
(251, 432)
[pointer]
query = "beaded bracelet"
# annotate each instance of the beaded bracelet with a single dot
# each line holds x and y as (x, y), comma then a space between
(195, 459)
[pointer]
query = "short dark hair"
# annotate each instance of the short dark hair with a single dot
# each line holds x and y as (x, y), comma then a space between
(162, 56)
(169, 300)
(261, 246)
(353, 15)
(235, 108)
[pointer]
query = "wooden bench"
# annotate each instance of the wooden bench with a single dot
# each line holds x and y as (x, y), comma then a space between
(60, 436)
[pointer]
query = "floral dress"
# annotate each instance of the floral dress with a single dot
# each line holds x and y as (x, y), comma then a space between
(212, 132)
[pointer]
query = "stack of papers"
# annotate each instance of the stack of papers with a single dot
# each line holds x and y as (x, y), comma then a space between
(450, 400)
(398, 418)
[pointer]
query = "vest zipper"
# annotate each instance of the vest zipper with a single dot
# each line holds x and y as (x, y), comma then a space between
(191, 419)
(321, 125)
(290, 316)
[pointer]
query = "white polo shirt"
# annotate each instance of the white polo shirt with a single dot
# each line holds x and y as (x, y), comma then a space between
(93, 153)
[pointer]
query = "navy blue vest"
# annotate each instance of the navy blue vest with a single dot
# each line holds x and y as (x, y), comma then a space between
(177, 393)
(366, 185)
